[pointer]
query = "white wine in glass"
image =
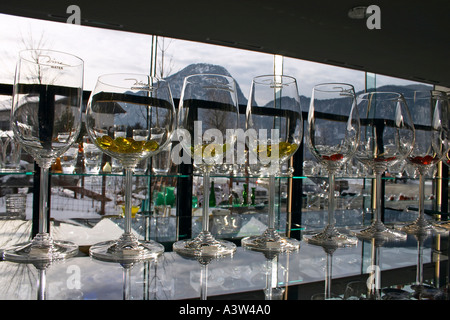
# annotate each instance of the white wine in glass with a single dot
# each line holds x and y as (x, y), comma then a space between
(208, 116)
(129, 102)
(274, 117)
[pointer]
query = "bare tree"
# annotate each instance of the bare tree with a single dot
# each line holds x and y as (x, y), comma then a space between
(30, 40)
(165, 63)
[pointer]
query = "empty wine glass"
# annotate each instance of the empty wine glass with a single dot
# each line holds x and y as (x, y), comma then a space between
(275, 130)
(430, 116)
(387, 137)
(207, 120)
(333, 136)
(446, 158)
(129, 101)
(46, 120)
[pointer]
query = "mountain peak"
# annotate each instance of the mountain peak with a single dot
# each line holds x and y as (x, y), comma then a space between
(176, 80)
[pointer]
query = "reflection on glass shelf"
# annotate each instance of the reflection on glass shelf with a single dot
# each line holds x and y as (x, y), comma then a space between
(108, 174)
(173, 277)
(79, 220)
(178, 175)
(28, 173)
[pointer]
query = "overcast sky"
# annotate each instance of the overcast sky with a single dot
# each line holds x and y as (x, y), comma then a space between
(108, 51)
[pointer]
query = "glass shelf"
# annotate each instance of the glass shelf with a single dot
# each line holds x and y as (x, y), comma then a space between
(246, 275)
(119, 174)
(5, 173)
(178, 175)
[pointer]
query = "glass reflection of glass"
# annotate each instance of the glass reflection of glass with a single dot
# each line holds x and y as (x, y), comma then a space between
(69, 160)
(162, 161)
(116, 165)
(133, 101)
(10, 152)
(142, 135)
(92, 158)
(272, 290)
(327, 294)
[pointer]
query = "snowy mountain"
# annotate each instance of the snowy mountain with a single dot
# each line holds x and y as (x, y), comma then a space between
(176, 80)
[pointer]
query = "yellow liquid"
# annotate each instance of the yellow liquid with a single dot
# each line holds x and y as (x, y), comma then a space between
(214, 149)
(134, 210)
(285, 149)
(126, 145)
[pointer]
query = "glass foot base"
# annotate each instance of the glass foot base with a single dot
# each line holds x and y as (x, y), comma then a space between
(41, 249)
(379, 231)
(422, 226)
(330, 237)
(270, 241)
(444, 225)
(126, 249)
(204, 245)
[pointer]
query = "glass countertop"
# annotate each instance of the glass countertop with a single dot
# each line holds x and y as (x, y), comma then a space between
(306, 274)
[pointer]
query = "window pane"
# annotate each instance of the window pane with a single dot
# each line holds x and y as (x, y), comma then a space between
(87, 198)
(178, 58)
(350, 189)
(103, 51)
(309, 74)
(385, 82)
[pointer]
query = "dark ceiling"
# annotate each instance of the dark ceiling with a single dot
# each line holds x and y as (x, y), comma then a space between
(413, 42)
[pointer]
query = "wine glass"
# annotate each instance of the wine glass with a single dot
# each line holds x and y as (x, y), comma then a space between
(386, 138)
(446, 158)
(207, 123)
(333, 136)
(46, 120)
(430, 116)
(275, 129)
(129, 101)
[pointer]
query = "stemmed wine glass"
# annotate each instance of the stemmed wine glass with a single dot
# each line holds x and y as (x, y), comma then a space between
(446, 157)
(387, 137)
(430, 116)
(275, 130)
(46, 120)
(129, 101)
(333, 136)
(207, 122)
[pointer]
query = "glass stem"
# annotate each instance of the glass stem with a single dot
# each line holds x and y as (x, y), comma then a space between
(128, 186)
(421, 195)
(205, 209)
(126, 283)
(43, 200)
(269, 280)
(377, 216)
(271, 202)
(331, 200)
(374, 285)
(42, 288)
(419, 271)
(328, 275)
(204, 282)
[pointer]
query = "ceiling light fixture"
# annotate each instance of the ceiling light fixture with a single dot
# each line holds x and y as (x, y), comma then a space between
(357, 12)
